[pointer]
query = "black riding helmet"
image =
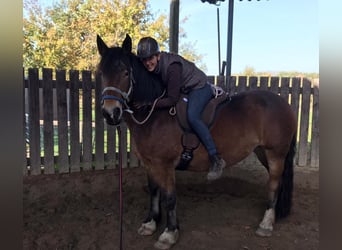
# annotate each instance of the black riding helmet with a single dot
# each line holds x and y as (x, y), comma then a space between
(147, 47)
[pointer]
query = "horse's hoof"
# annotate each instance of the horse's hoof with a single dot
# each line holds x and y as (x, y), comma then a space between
(167, 239)
(263, 232)
(147, 228)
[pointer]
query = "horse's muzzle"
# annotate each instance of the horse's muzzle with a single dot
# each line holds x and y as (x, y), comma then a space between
(113, 116)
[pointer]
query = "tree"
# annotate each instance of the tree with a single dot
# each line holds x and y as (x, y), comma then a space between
(63, 35)
(249, 71)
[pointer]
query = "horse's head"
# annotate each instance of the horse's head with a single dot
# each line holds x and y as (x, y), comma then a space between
(116, 77)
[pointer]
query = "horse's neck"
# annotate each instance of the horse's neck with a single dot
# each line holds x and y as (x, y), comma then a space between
(157, 120)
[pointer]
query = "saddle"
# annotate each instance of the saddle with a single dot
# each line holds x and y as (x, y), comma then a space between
(189, 139)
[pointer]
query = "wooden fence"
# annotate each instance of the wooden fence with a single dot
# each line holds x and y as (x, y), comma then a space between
(65, 131)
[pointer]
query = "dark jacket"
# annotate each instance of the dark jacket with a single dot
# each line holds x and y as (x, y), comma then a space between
(178, 74)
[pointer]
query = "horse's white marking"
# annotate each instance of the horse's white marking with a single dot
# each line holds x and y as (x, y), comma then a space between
(147, 228)
(268, 220)
(266, 225)
(167, 239)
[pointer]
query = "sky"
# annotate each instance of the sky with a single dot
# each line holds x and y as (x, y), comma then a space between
(268, 35)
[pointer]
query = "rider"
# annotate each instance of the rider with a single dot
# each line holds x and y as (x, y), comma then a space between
(180, 75)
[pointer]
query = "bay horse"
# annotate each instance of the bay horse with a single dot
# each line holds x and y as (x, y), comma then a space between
(254, 121)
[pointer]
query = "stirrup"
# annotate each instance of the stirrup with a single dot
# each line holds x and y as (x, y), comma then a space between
(187, 155)
(185, 159)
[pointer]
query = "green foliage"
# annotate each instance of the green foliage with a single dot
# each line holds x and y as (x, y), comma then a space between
(63, 36)
(250, 71)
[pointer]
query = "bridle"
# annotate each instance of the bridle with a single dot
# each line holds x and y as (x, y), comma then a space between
(125, 98)
(124, 95)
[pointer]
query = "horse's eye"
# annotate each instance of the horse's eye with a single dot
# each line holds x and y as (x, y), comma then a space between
(126, 73)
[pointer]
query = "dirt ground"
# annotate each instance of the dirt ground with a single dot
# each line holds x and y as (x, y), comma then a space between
(80, 211)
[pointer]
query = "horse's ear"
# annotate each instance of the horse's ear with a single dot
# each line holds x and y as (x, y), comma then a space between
(101, 46)
(127, 44)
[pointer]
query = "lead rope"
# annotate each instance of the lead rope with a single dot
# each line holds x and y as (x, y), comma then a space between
(120, 184)
(150, 112)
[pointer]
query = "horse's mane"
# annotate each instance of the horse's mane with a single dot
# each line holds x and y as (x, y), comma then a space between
(147, 86)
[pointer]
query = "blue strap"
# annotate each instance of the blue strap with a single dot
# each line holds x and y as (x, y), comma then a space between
(112, 97)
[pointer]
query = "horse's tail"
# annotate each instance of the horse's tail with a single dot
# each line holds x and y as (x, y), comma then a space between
(284, 201)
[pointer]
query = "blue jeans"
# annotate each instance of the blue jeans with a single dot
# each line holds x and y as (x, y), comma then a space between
(197, 100)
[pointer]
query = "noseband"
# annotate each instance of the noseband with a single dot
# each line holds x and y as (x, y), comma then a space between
(124, 95)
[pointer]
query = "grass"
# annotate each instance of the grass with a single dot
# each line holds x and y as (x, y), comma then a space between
(55, 141)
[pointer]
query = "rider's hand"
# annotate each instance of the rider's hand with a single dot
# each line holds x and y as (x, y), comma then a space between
(142, 106)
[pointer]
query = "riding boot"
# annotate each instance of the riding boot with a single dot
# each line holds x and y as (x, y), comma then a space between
(216, 168)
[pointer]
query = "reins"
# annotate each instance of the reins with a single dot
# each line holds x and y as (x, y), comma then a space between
(120, 184)
(149, 113)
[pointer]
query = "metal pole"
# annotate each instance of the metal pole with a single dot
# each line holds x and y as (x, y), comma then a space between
(218, 41)
(174, 26)
(229, 42)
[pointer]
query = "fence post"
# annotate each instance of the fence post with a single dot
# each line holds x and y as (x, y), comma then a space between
(304, 123)
(87, 121)
(63, 161)
(285, 88)
(253, 83)
(74, 111)
(111, 147)
(315, 129)
(49, 166)
(34, 127)
(99, 126)
(242, 85)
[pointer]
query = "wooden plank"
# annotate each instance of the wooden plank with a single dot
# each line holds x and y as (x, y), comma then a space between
(87, 121)
(315, 129)
(242, 84)
(49, 166)
(253, 83)
(220, 81)
(74, 111)
(285, 88)
(295, 92)
(133, 160)
(62, 115)
(274, 87)
(211, 79)
(304, 123)
(111, 147)
(264, 82)
(99, 126)
(34, 127)
(232, 87)
(123, 140)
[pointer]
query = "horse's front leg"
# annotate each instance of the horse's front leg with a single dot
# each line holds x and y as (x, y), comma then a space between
(149, 226)
(171, 233)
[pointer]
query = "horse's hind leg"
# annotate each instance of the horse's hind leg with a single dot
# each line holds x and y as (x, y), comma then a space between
(260, 153)
(275, 169)
(149, 226)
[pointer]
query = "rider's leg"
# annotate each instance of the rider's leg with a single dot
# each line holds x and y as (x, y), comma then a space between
(197, 100)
